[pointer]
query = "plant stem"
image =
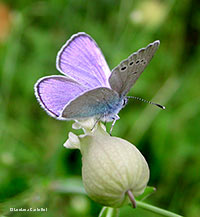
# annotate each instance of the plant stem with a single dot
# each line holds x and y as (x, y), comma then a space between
(156, 210)
(112, 212)
(109, 212)
(132, 198)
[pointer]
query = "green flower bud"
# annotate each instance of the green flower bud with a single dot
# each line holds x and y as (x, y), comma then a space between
(112, 168)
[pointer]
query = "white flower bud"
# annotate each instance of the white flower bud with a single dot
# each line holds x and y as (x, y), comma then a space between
(111, 167)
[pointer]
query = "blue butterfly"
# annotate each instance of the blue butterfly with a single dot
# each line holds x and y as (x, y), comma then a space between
(87, 87)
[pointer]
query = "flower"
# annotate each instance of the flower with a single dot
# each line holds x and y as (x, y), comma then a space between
(112, 168)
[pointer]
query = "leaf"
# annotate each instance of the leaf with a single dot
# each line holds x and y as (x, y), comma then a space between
(149, 190)
(69, 186)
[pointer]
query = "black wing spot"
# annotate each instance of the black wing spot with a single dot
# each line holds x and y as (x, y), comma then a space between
(143, 61)
(131, 63)
(137, 61)
(123, 68)
(134, 73)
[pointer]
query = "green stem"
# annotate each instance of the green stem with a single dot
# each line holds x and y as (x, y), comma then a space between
(112, 212)
(109, 212)
(156, 209)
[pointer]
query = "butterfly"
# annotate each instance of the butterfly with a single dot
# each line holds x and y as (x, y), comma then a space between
(87, 87)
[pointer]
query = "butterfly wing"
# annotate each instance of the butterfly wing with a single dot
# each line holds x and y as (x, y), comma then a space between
(97, 102)
(128, 71)
(54, 92)
(81, 59)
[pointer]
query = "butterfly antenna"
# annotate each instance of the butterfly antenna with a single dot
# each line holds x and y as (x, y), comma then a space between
(144, 100)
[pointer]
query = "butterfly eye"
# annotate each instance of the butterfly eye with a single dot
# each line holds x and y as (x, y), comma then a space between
(123, 68)
(124, 102)
(131, 63)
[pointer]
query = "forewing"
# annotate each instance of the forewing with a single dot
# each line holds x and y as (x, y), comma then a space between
(81, 59)
(128, 71)
(96, 102)
(54, 92)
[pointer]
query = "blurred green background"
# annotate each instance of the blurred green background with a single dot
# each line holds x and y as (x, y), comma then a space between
(35, 169)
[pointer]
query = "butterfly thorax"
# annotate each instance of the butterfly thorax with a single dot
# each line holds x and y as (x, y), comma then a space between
(114, 108)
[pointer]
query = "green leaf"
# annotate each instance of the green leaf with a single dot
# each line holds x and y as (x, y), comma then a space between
(149, 190)
(109, 212)
(69, 186)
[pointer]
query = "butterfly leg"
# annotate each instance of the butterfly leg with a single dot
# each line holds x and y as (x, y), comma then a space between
(98, 119)
(115, 118)
(105, 121)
